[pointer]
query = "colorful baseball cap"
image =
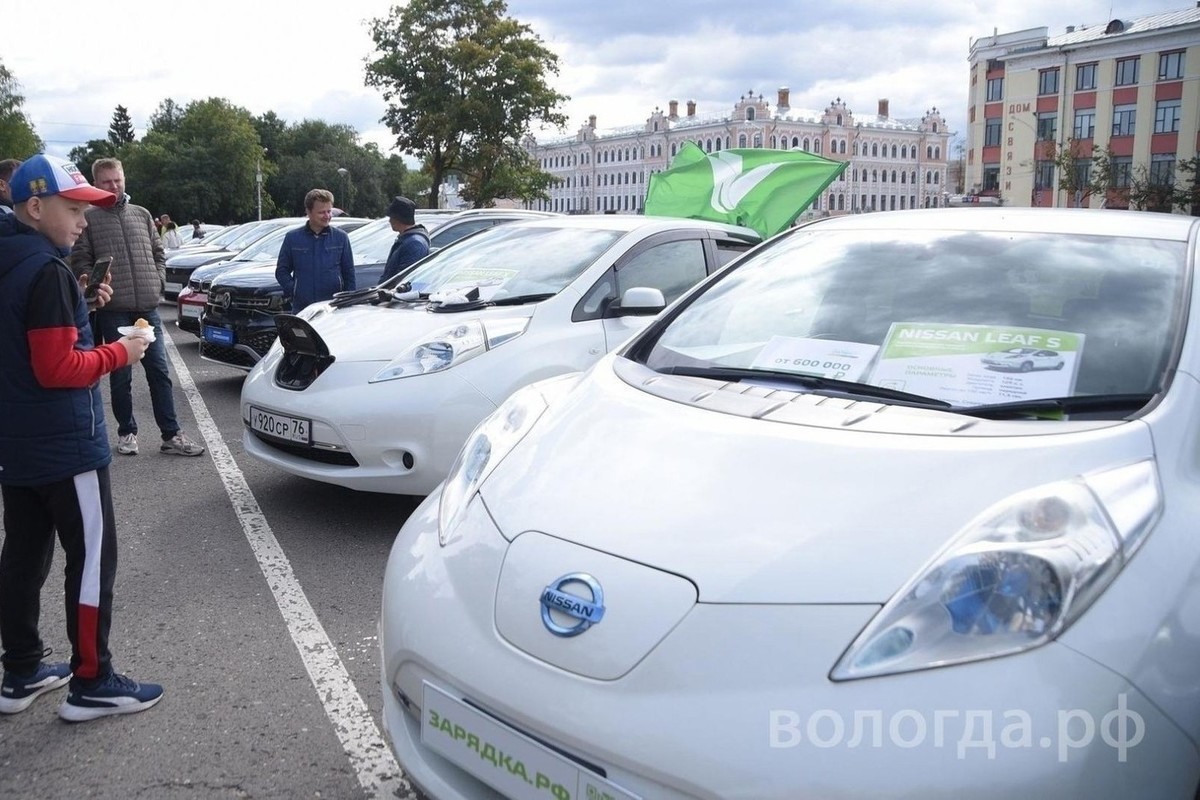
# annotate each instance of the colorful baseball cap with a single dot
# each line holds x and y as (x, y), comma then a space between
(45, 176)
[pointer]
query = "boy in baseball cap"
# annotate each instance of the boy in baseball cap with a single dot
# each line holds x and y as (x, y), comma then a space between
(54, 452)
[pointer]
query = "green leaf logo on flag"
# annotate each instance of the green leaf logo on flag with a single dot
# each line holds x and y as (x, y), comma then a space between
(757, 188)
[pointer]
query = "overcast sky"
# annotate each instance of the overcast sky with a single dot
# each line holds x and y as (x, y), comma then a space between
(618, 59)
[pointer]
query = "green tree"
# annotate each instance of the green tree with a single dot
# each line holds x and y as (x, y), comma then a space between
(1181, 190)
(1076, 171)
(461, 80)
(120, 130)
(198, 161)
(510, 172)
(18, 138)
(84, 155)
(165, 118)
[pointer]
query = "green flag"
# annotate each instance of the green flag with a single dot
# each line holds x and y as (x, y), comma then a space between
(758, 188)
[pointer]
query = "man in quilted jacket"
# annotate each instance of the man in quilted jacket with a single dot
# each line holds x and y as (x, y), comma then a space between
(126, 232)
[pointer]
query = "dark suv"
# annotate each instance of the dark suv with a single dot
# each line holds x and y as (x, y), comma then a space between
(238, 322)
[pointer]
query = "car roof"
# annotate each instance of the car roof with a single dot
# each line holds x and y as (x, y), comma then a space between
(631, 222)
(1083, 221)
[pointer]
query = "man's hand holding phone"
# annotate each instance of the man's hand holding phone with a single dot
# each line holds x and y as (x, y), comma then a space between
(97, 290)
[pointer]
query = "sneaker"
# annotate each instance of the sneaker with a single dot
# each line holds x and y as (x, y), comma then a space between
(180, 445)
(127, 444)
(17, 692)
(116, 694)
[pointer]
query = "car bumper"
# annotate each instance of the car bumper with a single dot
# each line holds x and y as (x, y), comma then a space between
(394, 437)
(735, 701)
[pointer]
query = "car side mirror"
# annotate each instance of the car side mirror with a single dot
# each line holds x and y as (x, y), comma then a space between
(640, 301)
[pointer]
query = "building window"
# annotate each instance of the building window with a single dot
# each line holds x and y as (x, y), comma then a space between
(1170, 66)
(991, 132)
(875, 150)
(991, 178)
(741, 140)
(1047, 126)
(1085, 77)
(893, 151)
(749, 114)
(1124, 118)
(1166, 116)
(995, 89)
(1043, 176)
(1127, 72)
(1122, 171)
(1162, 170)
(1083, 173)
(1048, 81)
(1085, 123)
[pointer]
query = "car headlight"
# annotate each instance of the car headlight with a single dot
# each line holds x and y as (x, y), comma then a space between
(452, 345)
(487, 446)
(1013, 579)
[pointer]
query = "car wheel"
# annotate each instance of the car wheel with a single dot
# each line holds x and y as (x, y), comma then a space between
(1026, 366)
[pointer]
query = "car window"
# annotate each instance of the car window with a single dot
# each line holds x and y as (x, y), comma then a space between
(513, 260)
(448, 234)
(372, 242)
(1106, 309)
(672, 267)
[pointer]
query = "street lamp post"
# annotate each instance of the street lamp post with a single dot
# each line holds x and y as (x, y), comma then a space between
(258, 185)
(345, 173)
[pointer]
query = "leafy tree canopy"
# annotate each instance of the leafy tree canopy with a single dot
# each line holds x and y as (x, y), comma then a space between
(18, 138)
(462, 81)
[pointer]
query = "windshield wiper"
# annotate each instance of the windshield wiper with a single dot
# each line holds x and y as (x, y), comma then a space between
(831, 387)
(521, 299)
(1054, 407)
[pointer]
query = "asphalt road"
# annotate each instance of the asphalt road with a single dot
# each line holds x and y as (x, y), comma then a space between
(253, 597)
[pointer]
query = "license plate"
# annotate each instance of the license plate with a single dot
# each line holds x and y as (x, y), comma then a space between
(281, 426)
(218, 335)
(191, 312)
(172, 287)
(503, 758)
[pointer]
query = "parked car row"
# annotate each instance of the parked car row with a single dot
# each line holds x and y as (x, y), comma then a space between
(240, 299)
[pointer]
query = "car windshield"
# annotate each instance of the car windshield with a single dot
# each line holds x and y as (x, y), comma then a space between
(511, 261)
(967, 318)
(227, 235)
(254, 233)
(265, 249)
(372, 242)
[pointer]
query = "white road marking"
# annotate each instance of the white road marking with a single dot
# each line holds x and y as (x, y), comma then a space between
(377, 770)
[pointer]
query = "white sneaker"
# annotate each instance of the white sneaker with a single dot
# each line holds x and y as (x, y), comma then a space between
(127, 444)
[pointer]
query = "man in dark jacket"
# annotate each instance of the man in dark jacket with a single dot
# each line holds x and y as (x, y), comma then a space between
(126, 232)
(413, 242)
(54, 452)
(315, 260)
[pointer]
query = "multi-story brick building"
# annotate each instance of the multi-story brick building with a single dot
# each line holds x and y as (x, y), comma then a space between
(1127, 91)
(894, 163)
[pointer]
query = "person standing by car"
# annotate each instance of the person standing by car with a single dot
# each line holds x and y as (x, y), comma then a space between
(315, 260)
(54, 452)
(170, 234)
(126, 232)
(197, 231)
(413, 242)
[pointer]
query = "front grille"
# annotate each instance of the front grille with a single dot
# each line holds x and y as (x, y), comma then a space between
(338, 458)
(250, 303)
(261, 341)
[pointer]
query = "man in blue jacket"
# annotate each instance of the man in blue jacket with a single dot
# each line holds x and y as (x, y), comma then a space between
(315, 260)
(412, 243)
(54, 452)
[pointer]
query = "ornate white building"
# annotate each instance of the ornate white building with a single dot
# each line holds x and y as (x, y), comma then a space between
(894, 163)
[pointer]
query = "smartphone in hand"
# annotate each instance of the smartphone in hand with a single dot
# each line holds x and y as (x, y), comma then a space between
(98, 274)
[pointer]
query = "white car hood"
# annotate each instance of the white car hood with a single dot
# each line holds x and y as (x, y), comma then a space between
(375, 333)
(818, 501)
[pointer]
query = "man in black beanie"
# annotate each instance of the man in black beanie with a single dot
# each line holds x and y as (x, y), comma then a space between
(413, 242)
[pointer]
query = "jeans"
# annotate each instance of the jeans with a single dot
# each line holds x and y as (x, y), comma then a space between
(120, 381)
